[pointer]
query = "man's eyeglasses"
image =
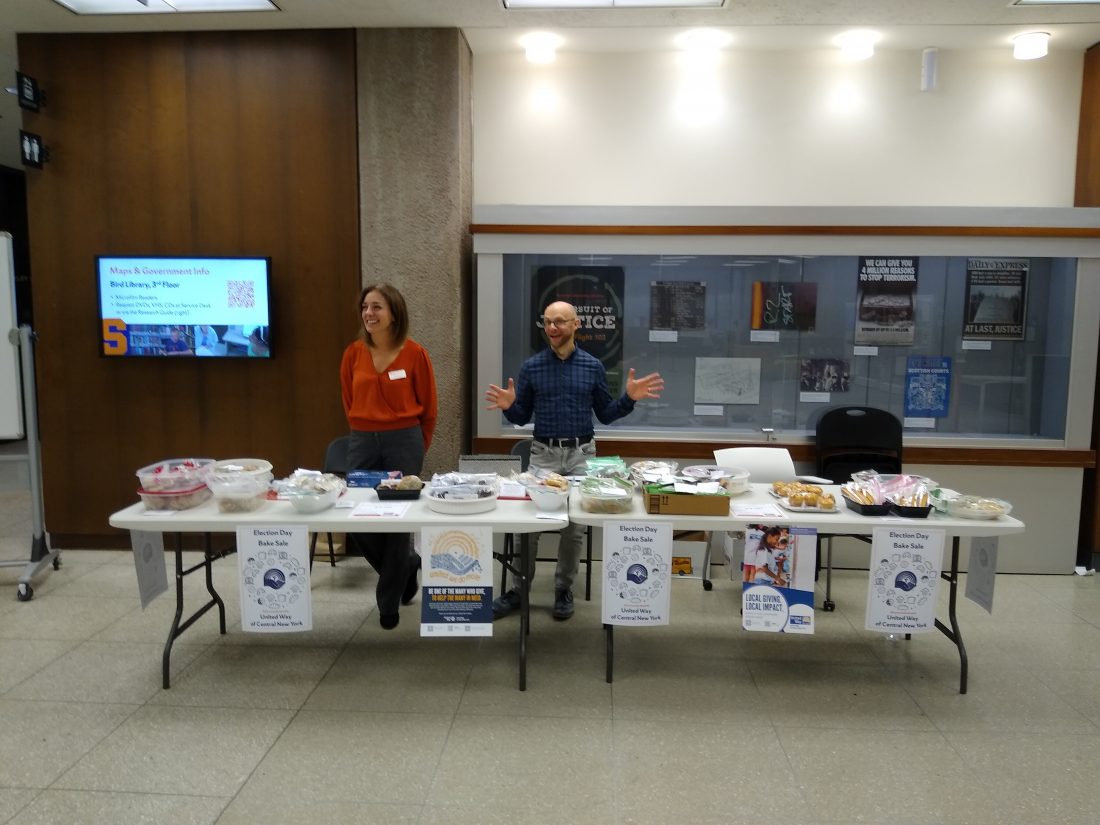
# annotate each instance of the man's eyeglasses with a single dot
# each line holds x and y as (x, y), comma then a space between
(557, 322)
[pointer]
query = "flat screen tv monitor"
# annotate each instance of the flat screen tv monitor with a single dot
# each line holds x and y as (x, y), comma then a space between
(184, 307)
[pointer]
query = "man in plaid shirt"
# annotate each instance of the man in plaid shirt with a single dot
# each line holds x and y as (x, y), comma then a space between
(561, 387)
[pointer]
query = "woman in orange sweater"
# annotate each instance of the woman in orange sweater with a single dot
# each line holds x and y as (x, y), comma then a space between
(389, 396)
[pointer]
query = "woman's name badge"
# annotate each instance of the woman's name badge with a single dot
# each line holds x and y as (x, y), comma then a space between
(397, 375)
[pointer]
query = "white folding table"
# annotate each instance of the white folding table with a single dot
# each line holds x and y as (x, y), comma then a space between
(507, 517)
(841, 522)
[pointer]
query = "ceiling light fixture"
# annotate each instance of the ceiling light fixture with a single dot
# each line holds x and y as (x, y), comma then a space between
(164, 6)
(858, 44)
(1030, 46)
(612, 4)
(703, 40)
(541, 47)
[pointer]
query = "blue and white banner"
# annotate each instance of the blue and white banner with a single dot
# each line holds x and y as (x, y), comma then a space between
(457, 581)
(905, 577)
(777, 593)
(273, 564)
(637, 573)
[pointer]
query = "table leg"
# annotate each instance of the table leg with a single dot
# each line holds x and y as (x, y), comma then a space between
(954, 633)
(828, 605)
(524, 607)
(588, 566)
(177, 629)
(609, 639)
(173, 631)
(210, 557)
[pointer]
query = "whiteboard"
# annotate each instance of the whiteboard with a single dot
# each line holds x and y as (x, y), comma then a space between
(11, 393)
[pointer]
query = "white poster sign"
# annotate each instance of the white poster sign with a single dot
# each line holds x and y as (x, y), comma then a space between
(777, 591)
(637, 573)
(905, 577)
(982, 572)
(457, 581)
(149, 564)
(273, 563)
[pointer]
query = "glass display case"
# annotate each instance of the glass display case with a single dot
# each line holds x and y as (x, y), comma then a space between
(970, 341)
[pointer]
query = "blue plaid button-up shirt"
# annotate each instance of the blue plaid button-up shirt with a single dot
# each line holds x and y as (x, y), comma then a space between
(563, 394)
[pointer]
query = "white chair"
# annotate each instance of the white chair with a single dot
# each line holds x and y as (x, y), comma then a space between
(765, 465)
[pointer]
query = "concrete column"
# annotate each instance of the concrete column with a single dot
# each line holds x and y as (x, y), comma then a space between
(416, 190)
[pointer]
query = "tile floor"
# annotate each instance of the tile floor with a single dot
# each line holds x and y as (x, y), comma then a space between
(704, 723)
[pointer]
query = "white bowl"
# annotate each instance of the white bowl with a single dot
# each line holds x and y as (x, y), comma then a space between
(548, 498)
(462, 506)
(312, 501)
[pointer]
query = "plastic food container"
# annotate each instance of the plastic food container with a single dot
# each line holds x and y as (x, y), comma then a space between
(941, 497)
(233, 468)
(910, 512)
(866, 509)
(174, 499)
(978, 507)
(370, 478)
(388, 493)
(174, 474)
(737, 480)
(240, 484)
(311, 501)
(648, 472)
(548, 498)
(606, 495)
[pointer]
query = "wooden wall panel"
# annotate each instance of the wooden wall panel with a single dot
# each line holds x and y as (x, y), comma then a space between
(218, 143)
(1087, 190)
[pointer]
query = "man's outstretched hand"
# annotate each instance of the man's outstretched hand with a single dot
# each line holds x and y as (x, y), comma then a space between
(501, 398)
(648, 386)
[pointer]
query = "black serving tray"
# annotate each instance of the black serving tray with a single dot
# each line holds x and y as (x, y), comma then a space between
(911, 512)
(866, 509)
(386, 494)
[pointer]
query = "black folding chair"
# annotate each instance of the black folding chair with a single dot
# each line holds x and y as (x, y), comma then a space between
(336, 461)
(850, 439)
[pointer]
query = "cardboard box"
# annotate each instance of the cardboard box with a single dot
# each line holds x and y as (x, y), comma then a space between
(685, 504)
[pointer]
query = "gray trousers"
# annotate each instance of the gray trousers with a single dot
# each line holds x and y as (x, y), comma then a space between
(568, 461)
(390, 554)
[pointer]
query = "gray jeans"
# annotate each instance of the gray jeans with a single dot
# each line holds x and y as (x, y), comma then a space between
(568, 461)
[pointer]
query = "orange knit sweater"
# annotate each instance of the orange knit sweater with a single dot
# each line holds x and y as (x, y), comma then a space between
(403, 395)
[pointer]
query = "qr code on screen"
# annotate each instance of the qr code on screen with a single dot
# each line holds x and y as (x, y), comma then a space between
(242, 294)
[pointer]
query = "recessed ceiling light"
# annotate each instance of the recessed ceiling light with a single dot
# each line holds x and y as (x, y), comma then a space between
(858, 44)
(703, 40)
(612, 4)
(1030, 46)
(541, 47)
(164, 6)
